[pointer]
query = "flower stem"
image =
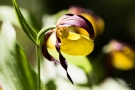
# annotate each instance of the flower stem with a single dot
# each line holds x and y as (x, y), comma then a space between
(38, 64)
(40, 34)
(43, 31)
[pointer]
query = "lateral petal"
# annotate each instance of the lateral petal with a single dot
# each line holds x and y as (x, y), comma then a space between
(45, 51)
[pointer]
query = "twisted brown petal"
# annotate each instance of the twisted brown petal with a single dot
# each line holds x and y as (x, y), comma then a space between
(45, 51)
(63, 61)
(76, 21)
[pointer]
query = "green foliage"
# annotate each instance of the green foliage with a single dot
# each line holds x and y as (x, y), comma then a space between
(15, 71)
(30, 32)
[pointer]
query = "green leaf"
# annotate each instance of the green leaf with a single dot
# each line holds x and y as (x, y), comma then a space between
(15, 71)
(30, 32)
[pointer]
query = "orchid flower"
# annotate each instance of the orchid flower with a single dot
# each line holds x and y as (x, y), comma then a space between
(122, 55)
(64, 39)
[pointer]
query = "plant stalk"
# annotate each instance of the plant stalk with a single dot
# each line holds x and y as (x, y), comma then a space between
(40, 34)
(38, 65)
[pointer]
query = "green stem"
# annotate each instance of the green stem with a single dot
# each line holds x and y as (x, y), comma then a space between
(43, 31)
(40, 34)
(38, 58)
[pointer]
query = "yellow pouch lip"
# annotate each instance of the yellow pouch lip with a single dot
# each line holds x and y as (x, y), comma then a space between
(76, 44)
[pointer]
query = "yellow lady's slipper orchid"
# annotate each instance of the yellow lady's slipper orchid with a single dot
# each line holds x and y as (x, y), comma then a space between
(122, 55)
(68, 41)
(74, 43)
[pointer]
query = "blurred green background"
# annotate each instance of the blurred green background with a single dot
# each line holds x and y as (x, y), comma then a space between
(118, 15)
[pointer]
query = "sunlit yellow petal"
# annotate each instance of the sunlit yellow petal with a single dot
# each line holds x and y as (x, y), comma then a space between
(51, 41)
(76, 44)
(122, 62)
